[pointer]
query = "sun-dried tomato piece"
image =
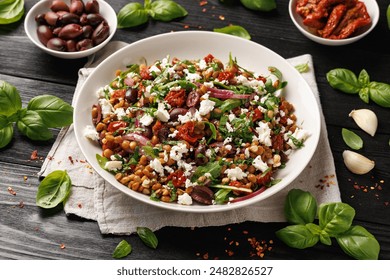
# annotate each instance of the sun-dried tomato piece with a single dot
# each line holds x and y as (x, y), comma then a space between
(334, 19)
(176, 98)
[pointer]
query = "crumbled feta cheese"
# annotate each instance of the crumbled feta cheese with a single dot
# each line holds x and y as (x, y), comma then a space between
(177, 151)
(91, 133)
(173, 134)
(264, 134)
(146, 119)
(162, 114)
(154, 69)
(190, 184)
(231, 117)
(299, 134)
(120, 112)
(228, 147)
(289, 121)
(202, 64)
(147, 92)
(235, 173)
(229, 127)
(253, 83)
(187, 167)
(206, 106)
(247, 153)
(156, 165)
(192, 77)
(184, 199)
(190, 117)
(259, 164)
(106, 107)
(227, 140)
(207, 175)
(113, 165)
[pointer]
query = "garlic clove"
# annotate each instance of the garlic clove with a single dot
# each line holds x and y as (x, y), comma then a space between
(356, 163)
(365, 119)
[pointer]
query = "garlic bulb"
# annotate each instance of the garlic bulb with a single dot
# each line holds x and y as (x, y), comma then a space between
(365, 119)
(356, 163)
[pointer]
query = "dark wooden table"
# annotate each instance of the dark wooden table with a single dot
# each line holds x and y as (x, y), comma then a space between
(28, 232)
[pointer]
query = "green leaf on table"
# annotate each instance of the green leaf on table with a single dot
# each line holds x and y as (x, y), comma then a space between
(234, 30)
(335, 218)
(122, 250)
(358, 243)
(380, 93)
(300, 207)
(131, 15)
(297, 236)
(148, 237)
(10, 101)
(166, 10)
(54, 189)
(259, 5)
(32, 125)
(344, 80)
(303, 67)
(53, 111)
(11, 11)
(388, 16)
(352, 139)
(364, 78)
(6, 134)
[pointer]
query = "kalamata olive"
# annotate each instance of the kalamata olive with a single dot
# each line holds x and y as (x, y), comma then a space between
(87, 31)
(60, 14)
(193, 98)
(84, 44)
(76, 7)
(83, 19)
(56, 44)
(71, 46)
(176, 112)
(163, 134)
(40, 19)
(69, 18)
(92, 7)
(131, 95)
(94, 19)
(202, 194)
(44, 33)
(51, 18)
(56, 31)
(100, 33)
(70, 31)
(59, 5)
(147, 131)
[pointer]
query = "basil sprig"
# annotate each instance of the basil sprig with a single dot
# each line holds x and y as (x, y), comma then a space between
(148, 237)
(54, 189)
(42, 112)
(335, 221)
(135, 14)
(346, 81)
(11, 11)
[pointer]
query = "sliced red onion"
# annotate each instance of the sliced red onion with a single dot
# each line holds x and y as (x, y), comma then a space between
(226, 94)
(242, 198)
(142, 140)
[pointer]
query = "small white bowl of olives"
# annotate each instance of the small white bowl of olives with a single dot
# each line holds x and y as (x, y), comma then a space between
(70, 29)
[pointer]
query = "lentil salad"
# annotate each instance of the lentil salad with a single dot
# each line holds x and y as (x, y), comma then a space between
(195, 130)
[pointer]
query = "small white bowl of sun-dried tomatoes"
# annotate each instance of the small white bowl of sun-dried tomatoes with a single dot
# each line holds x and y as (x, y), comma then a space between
(334, 22)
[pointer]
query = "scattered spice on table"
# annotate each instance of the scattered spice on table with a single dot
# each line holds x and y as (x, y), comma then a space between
(21, 204)
(11, 191)
(34, 155)
(62, 246)
(326, 182)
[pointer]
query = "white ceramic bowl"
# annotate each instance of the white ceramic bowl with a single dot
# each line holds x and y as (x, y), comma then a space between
(30, 27)
(196, 45)
(372, 9)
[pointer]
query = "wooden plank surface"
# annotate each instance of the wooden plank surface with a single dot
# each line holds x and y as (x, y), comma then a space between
(28, 232)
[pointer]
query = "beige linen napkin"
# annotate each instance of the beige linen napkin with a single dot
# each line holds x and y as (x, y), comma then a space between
(116, 213)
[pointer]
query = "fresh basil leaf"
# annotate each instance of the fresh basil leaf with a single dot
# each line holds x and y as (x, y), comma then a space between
(31, 125)
(388, 16)
(352, 139)
(297, 236)
(122, 250)
(131, 15)
(364, 78)
(344, 80)
(300, 207)
(234, 30)
(6, 134)
(302, 68)
(10, 101)
(358, 243)
(54, 189)
(214, 168)
(54, 111)
(11, 11)
(335, 218)
(148, 237)
(380, 93)
(260, 5)
(4, 121)
(364, 94)
(166, 10)
(325, 238)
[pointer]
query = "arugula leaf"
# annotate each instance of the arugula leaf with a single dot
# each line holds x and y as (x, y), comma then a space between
(214, 168)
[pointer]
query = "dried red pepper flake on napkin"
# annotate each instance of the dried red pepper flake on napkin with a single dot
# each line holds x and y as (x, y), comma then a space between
(34, 155)
(11, 190)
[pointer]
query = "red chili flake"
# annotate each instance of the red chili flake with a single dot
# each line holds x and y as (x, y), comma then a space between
(11, 191)
(21, 204)
(71, 159)
(203, 3)
(186, 26)
(79, 205)
(62, 246)
(205, 256)
(245, 232)
(229, 252)
(34, 155)
(221, 17)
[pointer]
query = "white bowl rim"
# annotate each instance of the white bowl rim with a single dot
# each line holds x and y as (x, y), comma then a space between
(69, 55)
(333, 42)
(194, 208)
